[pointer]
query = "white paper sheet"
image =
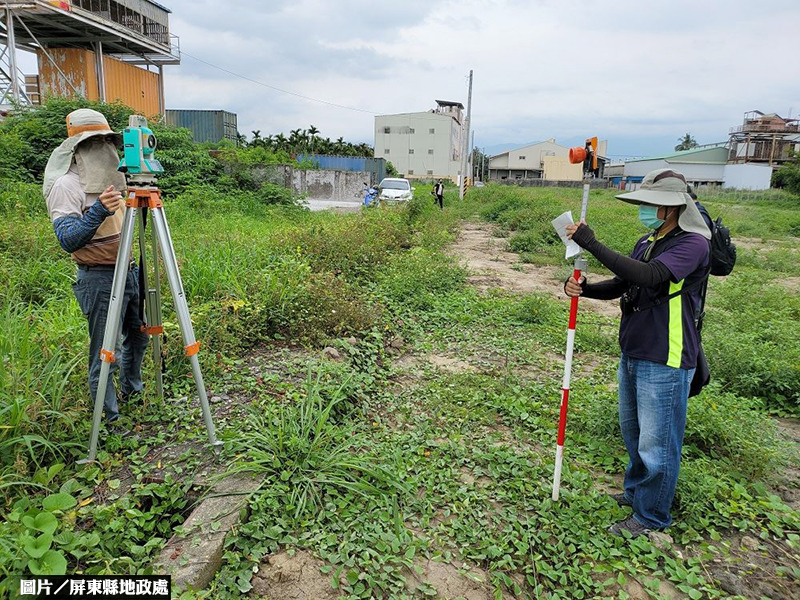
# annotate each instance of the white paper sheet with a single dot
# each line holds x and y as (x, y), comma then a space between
(560, 224)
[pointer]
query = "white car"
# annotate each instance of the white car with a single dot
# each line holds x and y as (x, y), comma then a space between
(395, 190)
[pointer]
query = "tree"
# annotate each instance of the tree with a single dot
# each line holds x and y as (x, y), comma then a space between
(788, 176)
(687, 142)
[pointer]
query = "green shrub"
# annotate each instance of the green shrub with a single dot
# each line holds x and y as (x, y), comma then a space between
(300, 449)
(745, 338)
(416, 277)
(537, 309)
(732, 430)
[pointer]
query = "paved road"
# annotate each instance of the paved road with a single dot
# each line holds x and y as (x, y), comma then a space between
(337, 205)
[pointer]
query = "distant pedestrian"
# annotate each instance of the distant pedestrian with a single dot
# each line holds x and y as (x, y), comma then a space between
(438, 192)
(661, 285)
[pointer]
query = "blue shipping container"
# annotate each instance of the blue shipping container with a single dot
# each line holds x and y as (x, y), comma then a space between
(206, 125)
(376, 167)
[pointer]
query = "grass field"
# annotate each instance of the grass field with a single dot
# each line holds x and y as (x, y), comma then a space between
(419, 462)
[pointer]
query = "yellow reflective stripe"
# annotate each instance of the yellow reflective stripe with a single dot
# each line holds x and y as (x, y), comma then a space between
(675, 326)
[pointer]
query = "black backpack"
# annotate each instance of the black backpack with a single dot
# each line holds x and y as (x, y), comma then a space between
(723, 250)
(721, 262)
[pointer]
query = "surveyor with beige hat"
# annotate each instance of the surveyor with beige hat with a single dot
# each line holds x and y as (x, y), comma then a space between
(660, 286)
(84, 192)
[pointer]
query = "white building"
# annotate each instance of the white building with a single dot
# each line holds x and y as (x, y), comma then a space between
(422, 145)
(707, 165)
(542, 160)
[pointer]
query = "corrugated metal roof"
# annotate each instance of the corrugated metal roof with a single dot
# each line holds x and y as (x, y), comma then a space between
(684, 153)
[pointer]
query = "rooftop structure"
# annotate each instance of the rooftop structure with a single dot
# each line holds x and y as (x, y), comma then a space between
(764, 138)
(135, 32)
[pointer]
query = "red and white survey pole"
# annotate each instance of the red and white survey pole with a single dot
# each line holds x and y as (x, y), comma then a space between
(580, 265)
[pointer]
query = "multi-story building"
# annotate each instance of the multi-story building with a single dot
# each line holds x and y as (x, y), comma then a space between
(423, 145)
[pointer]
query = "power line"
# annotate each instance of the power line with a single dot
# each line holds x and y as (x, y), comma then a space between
(277, 89)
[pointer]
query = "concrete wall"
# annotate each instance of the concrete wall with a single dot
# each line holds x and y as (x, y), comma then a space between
(747, 177)
(340, 186)
(336, 186)
(558, 168)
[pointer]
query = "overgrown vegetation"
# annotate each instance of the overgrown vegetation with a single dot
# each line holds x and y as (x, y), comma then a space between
(374, 466)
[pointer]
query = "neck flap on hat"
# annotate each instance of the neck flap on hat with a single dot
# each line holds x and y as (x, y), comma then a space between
(97, 163)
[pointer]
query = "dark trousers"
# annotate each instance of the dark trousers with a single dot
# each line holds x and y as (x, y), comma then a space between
(440, 200)
(93, 291)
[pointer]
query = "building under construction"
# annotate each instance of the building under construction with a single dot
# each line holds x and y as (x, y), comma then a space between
(105, 50)
(764, 138)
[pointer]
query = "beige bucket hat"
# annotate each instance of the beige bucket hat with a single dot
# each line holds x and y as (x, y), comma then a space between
(667, 187)
(82, 124)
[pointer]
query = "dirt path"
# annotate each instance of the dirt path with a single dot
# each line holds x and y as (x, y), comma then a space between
(492, 266)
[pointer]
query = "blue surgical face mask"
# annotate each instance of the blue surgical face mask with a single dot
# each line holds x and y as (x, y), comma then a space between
(648, 215)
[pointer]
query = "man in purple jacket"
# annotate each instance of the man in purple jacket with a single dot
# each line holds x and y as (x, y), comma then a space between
(660, 284)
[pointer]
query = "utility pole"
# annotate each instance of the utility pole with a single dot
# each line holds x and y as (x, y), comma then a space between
(472, 157)
(465, 144)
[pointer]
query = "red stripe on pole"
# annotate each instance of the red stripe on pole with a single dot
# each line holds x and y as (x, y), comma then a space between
(573, 307)
(562, 420)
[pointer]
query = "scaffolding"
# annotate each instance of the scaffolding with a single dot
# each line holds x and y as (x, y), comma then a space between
(764, 139)
(131, 31)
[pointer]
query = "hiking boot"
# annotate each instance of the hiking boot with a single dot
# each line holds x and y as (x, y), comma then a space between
(630, 526)
(621, 499)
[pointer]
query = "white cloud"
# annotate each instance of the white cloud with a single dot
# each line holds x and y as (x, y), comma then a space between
(639, 72)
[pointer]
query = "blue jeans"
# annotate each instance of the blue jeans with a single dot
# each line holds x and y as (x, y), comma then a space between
(652, 416)
(93, 291)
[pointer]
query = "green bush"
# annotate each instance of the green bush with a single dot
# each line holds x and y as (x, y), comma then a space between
(43, 127)
(732, 430)
(299, 448)
(415, 278)
(746, 340)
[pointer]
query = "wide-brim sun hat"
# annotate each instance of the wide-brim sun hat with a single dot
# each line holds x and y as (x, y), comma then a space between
(667, 187)
(86, 123)
(82, 124)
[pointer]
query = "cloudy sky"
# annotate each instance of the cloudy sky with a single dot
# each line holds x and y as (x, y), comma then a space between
(639, 74)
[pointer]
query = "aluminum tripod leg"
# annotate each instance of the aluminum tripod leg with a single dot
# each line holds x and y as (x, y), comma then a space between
(182, 312)
(111, 334)
(152, 303)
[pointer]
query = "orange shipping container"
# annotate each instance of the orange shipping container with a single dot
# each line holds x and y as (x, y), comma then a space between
(131, 85)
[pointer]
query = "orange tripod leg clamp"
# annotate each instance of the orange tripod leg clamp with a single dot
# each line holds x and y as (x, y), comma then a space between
(144, 199)
(193, 349)
(107, 355)
(154, 330)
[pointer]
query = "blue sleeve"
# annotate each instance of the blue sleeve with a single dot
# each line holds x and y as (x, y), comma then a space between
(74, 233)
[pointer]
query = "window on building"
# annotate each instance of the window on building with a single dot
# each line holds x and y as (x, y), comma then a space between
(411, 171)
(431, 131)
(521, 157)
(411, 151)
(430, 150)
(386, 151)
(410, 130)
(430, 172)
(387, 130)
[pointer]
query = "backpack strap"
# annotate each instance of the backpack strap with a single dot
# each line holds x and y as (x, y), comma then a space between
(700, 283)
(689, 288)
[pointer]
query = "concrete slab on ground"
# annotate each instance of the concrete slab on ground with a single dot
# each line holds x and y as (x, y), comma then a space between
(194, 558)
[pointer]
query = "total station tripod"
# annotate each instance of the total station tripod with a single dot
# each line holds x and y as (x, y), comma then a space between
(144, 196)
